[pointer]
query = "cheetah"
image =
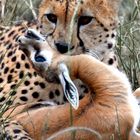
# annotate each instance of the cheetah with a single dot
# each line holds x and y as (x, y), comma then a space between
(94, 33)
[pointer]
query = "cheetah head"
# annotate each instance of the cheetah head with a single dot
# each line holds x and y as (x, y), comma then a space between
(93, 28)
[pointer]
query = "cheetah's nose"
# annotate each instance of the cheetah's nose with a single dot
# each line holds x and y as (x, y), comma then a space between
(62, 47)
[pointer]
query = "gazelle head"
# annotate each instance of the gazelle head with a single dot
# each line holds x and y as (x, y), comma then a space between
(42, 56)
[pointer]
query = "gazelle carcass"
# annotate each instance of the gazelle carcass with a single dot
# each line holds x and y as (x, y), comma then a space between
(109, 108)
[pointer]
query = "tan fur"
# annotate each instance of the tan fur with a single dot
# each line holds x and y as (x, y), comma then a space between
(137, 94)
(98, 110)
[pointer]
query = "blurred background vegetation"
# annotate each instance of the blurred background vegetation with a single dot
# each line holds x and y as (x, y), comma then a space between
(128, 45)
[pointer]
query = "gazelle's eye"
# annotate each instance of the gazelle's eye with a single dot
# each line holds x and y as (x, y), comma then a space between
(52, 18)
(84, 20)
(40, 59)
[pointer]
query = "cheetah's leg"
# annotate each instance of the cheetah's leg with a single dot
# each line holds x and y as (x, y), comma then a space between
(12, 130)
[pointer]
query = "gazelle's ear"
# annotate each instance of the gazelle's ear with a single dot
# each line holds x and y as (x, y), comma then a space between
(68, 86)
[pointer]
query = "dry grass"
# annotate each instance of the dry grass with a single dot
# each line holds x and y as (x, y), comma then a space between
(17, 10)
(128, 48)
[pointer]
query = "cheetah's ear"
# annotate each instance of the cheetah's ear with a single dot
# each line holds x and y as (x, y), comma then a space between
(68, 86)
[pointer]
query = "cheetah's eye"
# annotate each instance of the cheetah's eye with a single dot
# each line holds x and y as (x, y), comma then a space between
(84, 20)
(52, 18)
(40, 58)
